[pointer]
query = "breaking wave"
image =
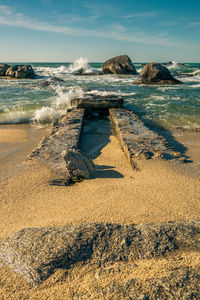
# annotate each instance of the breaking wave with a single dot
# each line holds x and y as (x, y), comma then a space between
(58, 106)
(79, 66)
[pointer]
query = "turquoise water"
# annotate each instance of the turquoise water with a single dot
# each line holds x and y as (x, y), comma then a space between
(168, 106)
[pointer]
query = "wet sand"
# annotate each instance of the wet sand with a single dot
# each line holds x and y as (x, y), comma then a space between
(160, 191)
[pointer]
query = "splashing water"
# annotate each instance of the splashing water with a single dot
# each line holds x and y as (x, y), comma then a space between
(44, 115)
(58, 106)
(64, 98)
(80, 65)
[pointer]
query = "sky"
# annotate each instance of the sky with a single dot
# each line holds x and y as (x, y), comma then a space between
(63, 30)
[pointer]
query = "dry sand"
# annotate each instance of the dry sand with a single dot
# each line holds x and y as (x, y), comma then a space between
(159, 191)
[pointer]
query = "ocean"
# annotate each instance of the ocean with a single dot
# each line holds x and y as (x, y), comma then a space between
(170, 106)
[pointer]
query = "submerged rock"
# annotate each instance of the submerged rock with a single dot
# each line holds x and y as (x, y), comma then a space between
(52, 81)
(36, 253)
(20, 71)
(92, 73)
(3, 69)
(155, 73)
(119, 65)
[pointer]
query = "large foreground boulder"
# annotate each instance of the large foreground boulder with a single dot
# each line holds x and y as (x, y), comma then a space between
(36, 253)
(20, 71)
(3, 69)
(155, 73)
(119, 65)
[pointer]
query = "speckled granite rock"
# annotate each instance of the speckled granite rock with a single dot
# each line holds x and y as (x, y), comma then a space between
(37, 252)
(137, 140)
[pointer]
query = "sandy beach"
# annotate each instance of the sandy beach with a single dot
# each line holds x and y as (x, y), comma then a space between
(160, 191)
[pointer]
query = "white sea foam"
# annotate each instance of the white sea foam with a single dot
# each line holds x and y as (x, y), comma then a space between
(197, 72)
(195, 85)
(190, 79)
(157, 97)
(49, 71)
(174, 65)
(109, 93)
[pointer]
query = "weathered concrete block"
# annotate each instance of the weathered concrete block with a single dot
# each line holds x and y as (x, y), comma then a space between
(98, 102)
(65, 136)
(136, 139)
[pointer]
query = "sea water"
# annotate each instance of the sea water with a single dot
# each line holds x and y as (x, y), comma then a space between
(168, 106)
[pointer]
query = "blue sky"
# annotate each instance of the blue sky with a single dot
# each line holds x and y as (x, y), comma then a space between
(63, 30)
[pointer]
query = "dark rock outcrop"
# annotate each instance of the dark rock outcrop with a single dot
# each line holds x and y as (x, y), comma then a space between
(119, 65)
(3, 69)
(155, 73)
(37, 252)
(20, 72)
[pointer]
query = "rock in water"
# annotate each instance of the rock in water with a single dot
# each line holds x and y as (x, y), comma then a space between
(155, 73)
(3, 69)
(52, 81)
(119, 65)
(20, 71)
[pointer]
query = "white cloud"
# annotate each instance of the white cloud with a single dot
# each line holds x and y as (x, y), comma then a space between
(116, 31)
(5, 10)
(142, 15)
(193, 24)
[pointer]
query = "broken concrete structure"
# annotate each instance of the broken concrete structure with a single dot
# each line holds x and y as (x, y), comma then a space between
(62, 144)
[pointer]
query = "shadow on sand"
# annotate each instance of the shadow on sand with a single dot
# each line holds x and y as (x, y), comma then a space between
(172, 142)
(95, 136)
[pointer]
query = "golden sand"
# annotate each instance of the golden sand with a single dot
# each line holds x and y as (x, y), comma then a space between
(159, 192)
